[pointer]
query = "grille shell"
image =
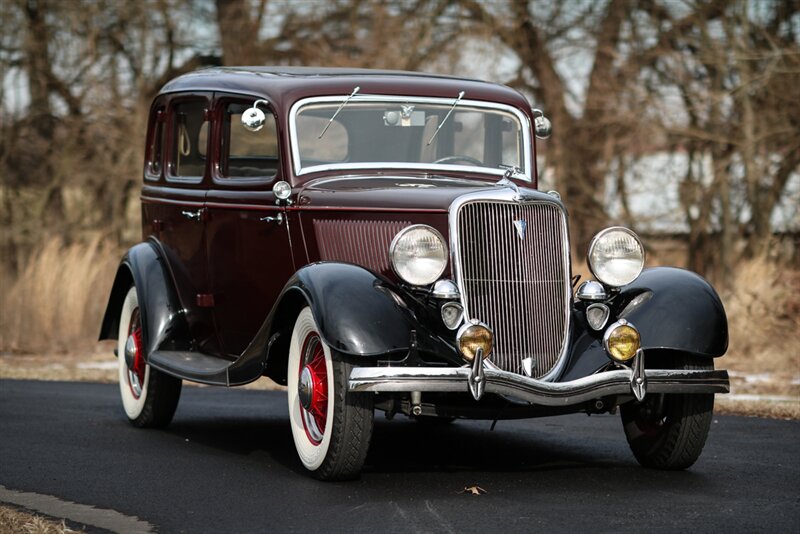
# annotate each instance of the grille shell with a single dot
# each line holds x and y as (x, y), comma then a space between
(519, 287)
(363, 242)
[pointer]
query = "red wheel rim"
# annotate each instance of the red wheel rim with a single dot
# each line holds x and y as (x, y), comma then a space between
(314, 370)
(136, 374)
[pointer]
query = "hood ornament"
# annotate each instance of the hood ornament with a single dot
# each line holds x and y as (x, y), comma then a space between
(521, 227)
(505, 181)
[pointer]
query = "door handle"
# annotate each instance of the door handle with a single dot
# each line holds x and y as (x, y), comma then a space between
(193, 214)
(278, 219)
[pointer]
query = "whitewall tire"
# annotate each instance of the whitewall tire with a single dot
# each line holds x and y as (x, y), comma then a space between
(149, 397)
(331, 427)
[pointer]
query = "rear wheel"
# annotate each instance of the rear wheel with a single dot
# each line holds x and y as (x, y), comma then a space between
(331, 426)
(149, 396)
(669, 431)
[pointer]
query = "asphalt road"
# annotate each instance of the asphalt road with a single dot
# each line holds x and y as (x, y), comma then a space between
(227, 464)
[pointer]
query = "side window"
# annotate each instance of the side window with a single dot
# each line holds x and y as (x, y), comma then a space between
(247, 154)
(155, 148)
(189, 131)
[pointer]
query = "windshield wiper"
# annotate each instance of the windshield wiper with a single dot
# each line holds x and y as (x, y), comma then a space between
(460, 96)
(343, 104)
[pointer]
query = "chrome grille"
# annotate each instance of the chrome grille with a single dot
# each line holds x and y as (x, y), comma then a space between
(519, 287)
(364, 243)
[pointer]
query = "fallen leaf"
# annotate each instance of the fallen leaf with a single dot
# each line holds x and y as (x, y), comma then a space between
(473, 490)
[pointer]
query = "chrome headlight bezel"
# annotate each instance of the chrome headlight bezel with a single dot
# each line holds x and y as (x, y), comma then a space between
(402, 271)
(601, 267)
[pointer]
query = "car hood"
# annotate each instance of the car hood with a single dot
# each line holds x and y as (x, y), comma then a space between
(428, 193)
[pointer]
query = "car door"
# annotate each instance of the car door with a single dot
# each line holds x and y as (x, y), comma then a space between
(173, 204)
(248, 239)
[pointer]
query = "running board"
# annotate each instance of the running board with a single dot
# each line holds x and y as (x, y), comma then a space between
(194, 366)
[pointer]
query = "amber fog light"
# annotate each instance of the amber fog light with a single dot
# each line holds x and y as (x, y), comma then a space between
(621, 341)
(473, 336)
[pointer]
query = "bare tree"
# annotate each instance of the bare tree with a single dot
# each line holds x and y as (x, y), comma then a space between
(585, 140)
(363, 33)
(737, 77)
(712, 79)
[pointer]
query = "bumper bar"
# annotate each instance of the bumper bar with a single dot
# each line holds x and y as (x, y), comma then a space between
(456, 380)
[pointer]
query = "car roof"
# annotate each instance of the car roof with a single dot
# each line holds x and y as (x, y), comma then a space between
(284, 85)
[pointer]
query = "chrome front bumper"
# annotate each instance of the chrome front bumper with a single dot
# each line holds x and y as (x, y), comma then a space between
(618, 382)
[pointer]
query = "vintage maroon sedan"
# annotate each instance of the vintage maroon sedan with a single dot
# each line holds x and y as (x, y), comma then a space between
(376, 240)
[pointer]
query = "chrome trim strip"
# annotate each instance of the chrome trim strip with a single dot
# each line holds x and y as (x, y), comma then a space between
(508, 195)
(456, 380)
(525, 125)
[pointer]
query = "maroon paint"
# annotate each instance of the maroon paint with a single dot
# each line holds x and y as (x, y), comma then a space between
(240, 263)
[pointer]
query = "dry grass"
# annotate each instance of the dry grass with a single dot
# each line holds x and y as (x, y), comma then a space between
(764, 324)
(13, 520)
(724, 405)
(57, 302)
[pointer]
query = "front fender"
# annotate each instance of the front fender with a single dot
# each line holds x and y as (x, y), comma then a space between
(165, 326)
(675, 309)
(359, 314)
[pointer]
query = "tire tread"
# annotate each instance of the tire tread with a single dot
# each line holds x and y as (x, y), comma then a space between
(350, 444)
(681, 440)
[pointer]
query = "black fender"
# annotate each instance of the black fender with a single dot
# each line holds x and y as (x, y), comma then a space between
(165, 325)
(675, 310)
(359, 314)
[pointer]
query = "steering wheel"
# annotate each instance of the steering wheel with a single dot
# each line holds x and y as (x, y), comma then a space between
(465, 159)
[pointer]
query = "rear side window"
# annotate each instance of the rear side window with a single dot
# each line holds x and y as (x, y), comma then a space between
(155, 147)
(247, 154)
(189, 135)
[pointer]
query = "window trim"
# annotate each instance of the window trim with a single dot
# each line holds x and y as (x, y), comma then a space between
(216, 173)
(158, 120)
(299, 170)
(170, 121)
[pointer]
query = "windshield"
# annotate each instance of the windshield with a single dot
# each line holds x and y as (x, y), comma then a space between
(390, 132)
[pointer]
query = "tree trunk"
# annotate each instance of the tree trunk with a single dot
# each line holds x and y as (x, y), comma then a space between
(238, 32)
(37, 67)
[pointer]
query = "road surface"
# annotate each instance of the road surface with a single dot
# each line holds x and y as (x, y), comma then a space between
(227, 464)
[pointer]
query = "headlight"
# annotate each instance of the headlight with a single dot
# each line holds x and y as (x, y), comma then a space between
(418, 254)
(616, 256)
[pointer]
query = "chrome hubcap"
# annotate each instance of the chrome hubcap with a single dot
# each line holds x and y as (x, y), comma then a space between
(305, 388)
(130, 351)
(134, 360)
(312, 388)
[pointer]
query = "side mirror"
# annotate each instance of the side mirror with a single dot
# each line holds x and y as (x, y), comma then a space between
(253, 119)
(541, 125)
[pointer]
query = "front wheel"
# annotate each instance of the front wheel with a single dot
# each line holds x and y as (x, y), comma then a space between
(149, 396)
(331, 426)
(669, 431)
